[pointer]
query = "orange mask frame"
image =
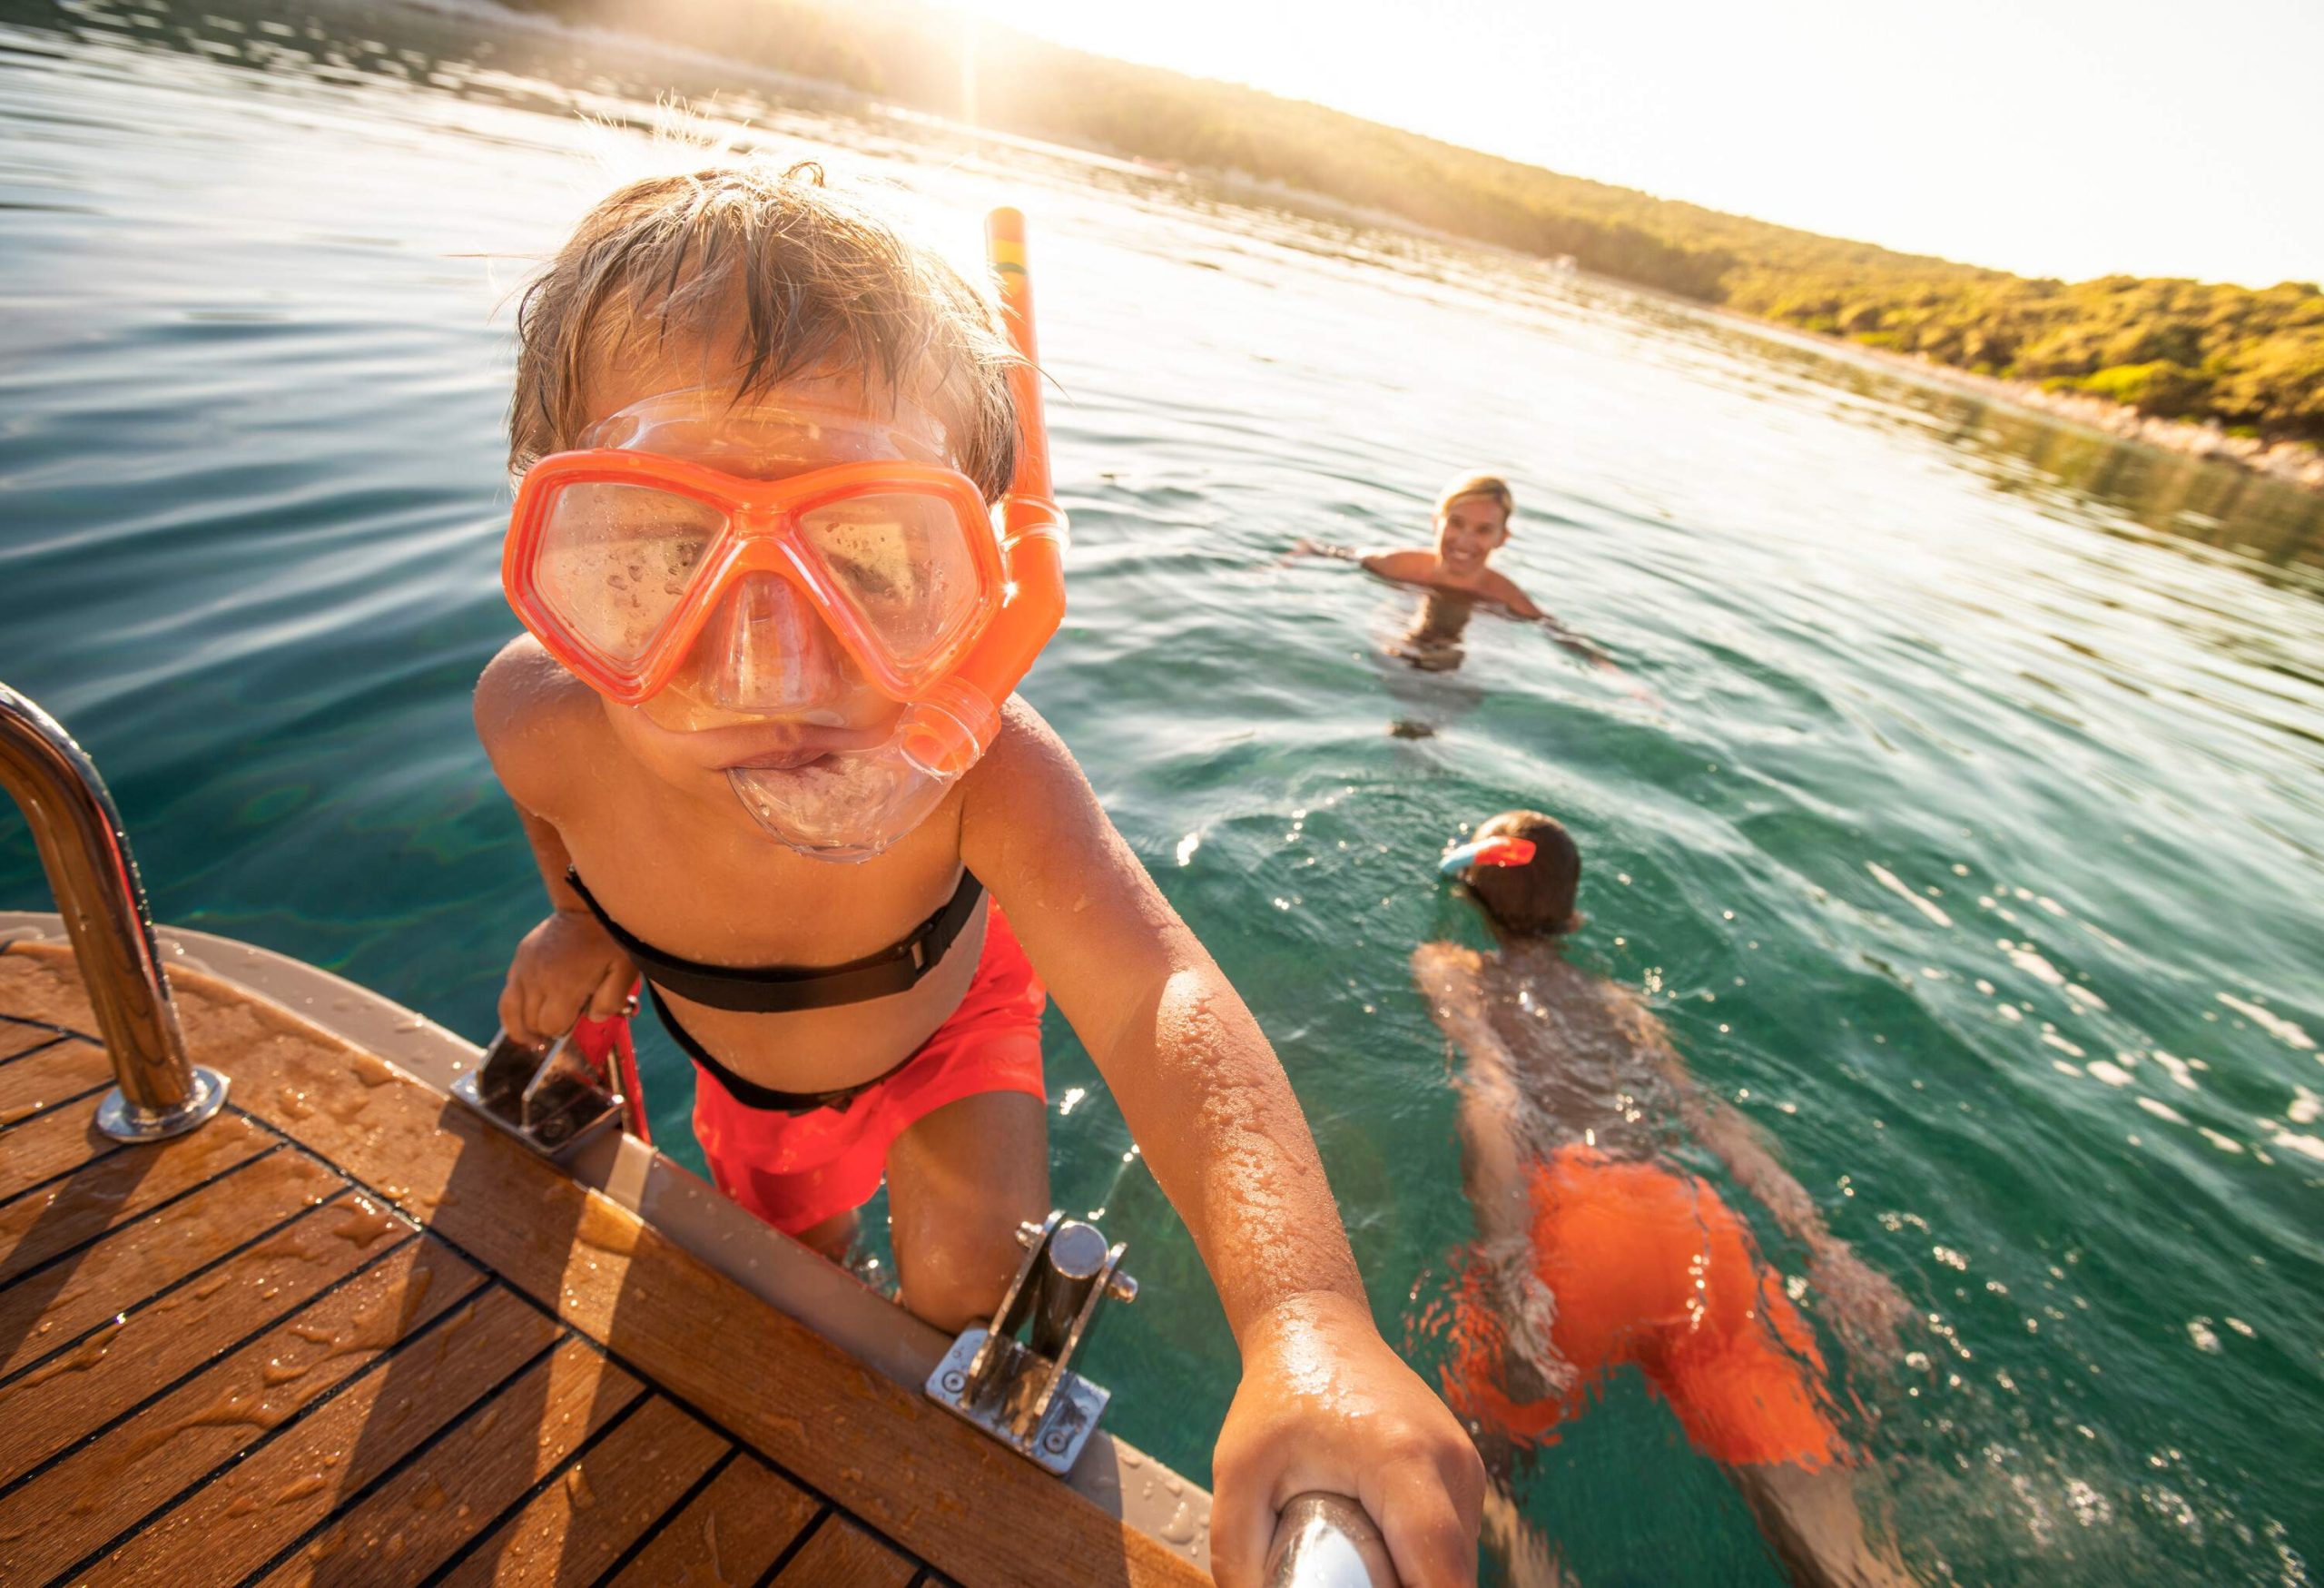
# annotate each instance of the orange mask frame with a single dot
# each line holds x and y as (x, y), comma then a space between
(761, 533)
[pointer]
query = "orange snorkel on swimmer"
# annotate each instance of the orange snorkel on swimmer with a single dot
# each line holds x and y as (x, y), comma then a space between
(878, 575)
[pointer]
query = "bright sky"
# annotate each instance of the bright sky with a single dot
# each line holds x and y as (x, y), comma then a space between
(2053, 137)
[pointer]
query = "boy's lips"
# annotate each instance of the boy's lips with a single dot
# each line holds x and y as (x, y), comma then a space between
(760, 746)
(779, 760)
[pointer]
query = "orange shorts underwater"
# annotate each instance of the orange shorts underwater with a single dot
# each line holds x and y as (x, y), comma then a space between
(795, 1170)
(1651, 1267)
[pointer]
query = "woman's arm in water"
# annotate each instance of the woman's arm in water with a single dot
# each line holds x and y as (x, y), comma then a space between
(1503, 592)
(1407, 565)
(1865, 1303)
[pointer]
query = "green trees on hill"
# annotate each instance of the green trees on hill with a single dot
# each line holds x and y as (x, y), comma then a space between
(2175, 348)
(2247, 359)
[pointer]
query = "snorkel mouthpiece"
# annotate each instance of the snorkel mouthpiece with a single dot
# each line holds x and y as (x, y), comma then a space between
(852, 804)
(1486, 852)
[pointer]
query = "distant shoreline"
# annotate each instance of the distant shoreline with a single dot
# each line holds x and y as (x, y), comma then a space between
(2293, 462)
(1574, 218)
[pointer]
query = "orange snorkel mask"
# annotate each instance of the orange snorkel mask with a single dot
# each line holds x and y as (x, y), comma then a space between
(877, 577)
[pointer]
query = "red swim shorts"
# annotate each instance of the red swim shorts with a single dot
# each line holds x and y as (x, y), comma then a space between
(1649, 1268)
(795, 1170)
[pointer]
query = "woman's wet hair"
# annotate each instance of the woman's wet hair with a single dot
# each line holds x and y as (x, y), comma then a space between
(1535, 899)
(1489, 485)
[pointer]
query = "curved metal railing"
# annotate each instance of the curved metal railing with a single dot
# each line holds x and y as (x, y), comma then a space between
(1326, 1541)
(159, 1091)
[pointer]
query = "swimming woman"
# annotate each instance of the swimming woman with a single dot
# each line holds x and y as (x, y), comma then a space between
(1597, 1252)
(1472, 519)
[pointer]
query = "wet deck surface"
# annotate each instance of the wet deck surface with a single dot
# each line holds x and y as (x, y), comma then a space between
(344, 1333)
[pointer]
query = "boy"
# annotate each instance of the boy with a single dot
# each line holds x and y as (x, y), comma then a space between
(1471, 523)
(760, 433)
(1595, 1252)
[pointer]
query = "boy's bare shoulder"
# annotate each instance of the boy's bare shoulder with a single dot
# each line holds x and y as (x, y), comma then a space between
(1027, 778)
(1030, 823)
(533, 717)
(1440, 965)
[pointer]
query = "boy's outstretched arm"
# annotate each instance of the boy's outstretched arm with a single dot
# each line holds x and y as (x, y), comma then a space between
(1495, 1161)
(1493, 1156)
(1324, 1402)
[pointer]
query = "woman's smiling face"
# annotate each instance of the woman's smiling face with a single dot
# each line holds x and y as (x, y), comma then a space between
(1470, 529)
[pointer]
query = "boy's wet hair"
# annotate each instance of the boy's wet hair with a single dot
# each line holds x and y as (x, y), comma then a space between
(793, 277)
(1535, 899)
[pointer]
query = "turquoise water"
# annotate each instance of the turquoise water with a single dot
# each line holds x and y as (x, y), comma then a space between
(2059, 1080)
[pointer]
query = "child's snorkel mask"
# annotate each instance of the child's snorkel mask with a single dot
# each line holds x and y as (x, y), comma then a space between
(736, 568)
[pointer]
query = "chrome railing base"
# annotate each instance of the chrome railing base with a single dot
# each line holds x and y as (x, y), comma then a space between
(123, 1120)
(86, 856)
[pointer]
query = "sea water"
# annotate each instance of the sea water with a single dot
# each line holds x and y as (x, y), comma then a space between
(1972, 843)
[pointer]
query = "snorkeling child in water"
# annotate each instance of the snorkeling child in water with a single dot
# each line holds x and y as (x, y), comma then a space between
(1472, 519)
(772, 627)
(1595, 1251)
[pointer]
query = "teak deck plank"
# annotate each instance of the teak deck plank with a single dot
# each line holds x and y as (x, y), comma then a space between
(943, 1491)
(115, 1190)
(50, 1075)
(956, 1499)
(422, 1516)
(573, 1531)
(64, 1400)
(34, 998)
(23, 1036)
(87, 1498)
(732, 1532)
(842, 1555)
(232, 1525)
(48, 1145)
(59, 1304)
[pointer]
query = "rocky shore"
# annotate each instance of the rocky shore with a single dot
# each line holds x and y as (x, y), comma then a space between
(2294, 462)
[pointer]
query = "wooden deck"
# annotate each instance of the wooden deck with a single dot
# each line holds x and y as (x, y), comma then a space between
(346, 1333)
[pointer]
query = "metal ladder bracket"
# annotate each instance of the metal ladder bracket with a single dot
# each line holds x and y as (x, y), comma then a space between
(551, 1100)
(1025, 1393)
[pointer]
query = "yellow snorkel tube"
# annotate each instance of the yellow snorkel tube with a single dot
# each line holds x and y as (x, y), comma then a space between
(945, 733)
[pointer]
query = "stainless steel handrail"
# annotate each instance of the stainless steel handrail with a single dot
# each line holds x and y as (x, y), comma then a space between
(1328, 1541)
(159, 1091)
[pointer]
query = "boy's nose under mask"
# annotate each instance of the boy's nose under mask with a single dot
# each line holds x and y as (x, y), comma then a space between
(767, 653)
